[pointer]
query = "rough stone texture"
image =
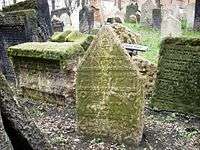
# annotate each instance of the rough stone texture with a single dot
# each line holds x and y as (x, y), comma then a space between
(73, 36)
(125, 35)
(146, 13)
(46, 71)
(15, 27)
(23, 22)
(148, 71)
(57, 24)
(170, 27)
(157, 18)
(86, 19)
(190, 13)
(42, 9)
(109, 92)
(21, 130)
(5, 64)
(197, 15)
(178, 78)
(131, 10)
(5, 143)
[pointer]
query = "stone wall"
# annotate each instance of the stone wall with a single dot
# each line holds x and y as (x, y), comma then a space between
(178, 77)
(46, 71)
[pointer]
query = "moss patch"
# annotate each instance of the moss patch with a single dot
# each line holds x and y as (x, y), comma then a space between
(60, 36)
(109, 91)
(46, 50)
(178, 77)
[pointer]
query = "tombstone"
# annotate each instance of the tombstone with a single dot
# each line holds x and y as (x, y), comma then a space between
(43, 15)
(190, 12)
(170, 27)
(18, 130)
(109, 92)
(146, 13)
(23, 22)
(5, 64)
(46, 70)
(178, 79)
(157, 18)
(86, 19)
(131, 10)
(197, 15)
(57, 24)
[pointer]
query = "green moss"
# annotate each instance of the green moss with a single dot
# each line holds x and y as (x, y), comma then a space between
(60, 36)
(109, 91)
(73, 36)
(178, 78)
(46, 50)
(28, 4)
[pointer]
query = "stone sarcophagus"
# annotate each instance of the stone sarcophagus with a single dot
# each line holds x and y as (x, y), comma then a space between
(109, 91)
(178, 79)
(46, 70)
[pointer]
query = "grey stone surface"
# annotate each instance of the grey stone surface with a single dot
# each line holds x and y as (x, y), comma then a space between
(18, 125)
(146, 13)
(86, 19)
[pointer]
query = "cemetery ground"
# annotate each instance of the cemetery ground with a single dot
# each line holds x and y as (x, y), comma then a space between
(151, 38)
(163, 129)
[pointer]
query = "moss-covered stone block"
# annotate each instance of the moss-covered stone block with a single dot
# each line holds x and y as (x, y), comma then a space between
(178, 78)
(60, 36)
(73, 36)
(46, 71)
(109, 92)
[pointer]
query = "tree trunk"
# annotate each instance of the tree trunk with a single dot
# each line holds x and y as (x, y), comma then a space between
(21, 130)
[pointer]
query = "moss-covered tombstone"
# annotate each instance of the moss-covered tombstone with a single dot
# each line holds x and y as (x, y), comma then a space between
(46, 71)
(109, 92)
(178, 77)
(73, 36)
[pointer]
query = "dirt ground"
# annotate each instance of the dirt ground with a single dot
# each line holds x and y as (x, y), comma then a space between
(162, 131)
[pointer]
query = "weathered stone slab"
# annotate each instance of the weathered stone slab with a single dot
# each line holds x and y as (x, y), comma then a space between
(109, 92)
(146, 13)
(190, 13)
(42, 10)
(86, 19)
(23, 22)
(46, 71)
(197, 15)
(178, 77)
(157, 18)
(20, 128)
(131, 10)
(170, 27)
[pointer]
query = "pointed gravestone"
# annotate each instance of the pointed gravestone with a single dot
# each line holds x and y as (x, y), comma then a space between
(170, 27)
(109, 92)
(146, 13)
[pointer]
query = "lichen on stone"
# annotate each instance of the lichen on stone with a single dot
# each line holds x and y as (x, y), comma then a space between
(46, 50)
(109, 91)
(178, 78)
